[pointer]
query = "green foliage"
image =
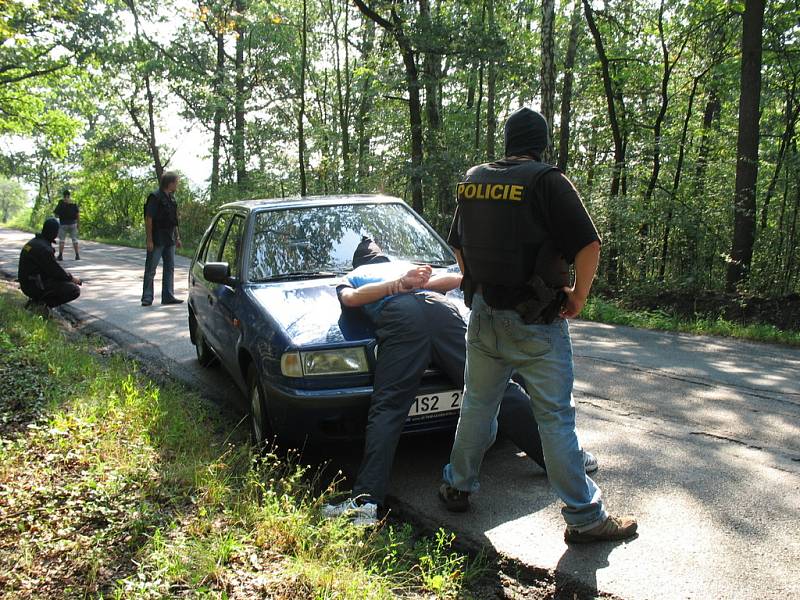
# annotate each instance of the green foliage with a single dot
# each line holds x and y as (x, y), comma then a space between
(606, 311)
(12, 199)
(121, 488)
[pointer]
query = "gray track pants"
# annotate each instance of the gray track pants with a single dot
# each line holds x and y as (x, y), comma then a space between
(413, 331)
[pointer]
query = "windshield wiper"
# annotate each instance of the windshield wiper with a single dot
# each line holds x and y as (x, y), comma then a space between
(435, 265)
(298, 275)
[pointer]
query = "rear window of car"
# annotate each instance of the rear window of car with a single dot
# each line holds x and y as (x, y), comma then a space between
(323, 238)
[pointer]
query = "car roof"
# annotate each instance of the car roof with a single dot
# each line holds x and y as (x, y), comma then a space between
(304, 201)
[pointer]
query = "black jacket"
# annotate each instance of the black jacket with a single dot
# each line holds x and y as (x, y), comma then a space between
(38, 265)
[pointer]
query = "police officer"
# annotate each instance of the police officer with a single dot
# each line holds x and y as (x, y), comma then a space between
(41, 278)
(519, 222)
(161, 228)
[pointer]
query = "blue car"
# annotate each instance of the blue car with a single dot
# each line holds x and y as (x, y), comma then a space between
(262, 302)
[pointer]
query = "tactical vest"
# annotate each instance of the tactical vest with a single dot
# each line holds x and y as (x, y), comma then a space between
(498, 226)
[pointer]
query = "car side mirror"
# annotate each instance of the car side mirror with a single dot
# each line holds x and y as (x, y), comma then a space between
(219, 272)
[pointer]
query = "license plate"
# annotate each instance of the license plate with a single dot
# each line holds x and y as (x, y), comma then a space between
(436, 403)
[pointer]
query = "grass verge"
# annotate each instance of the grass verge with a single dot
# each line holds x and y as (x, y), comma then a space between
(606, 311)
(113, 486)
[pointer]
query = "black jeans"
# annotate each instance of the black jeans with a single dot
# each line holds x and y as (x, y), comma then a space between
(55, 293)
(413, 331)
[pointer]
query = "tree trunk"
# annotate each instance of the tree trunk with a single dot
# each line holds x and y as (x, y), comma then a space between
(478, 109)
(548, 72)
(365, 101)
(219, 110)
(395, 27)
(744, 220)
(240, 84)
(432, 70)
(566, 92)
(491, 118)
(342, 93)
(619, 143)
(791, 115)
(676, 181)
(148, 132)
(301, 139)
(711, 112)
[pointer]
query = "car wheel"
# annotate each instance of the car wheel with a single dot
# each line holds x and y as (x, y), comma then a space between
(205, 355)
(260, 428)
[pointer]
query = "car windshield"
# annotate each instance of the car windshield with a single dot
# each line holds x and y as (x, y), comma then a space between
(306, 241)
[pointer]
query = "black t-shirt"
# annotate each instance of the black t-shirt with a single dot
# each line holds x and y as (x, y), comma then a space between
(557, 205)
(67, 213)
(158, 204)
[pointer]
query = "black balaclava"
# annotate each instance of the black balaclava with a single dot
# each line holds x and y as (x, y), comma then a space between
(50, 230)
(526, 133)
(368, 252)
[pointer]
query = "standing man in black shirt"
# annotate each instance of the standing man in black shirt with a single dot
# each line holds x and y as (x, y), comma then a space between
(41, 278)
(518, 225)
(69, 215)
(161, 228)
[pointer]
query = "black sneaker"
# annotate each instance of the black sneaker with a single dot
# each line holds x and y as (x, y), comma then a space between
(60, 257)
(147, 302)
(172, 301)
(454, 500)
(77, 256)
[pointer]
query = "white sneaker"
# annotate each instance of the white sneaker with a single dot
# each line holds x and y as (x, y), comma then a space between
(363, 515)
(589, 462)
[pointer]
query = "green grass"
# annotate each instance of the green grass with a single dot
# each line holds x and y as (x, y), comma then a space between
(605, 311)
(114, 486)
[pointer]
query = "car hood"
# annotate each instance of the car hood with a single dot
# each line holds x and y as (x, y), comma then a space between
(310, 313)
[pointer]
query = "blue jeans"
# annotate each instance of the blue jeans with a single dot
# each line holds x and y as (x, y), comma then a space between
(167, 253)
(499, 343)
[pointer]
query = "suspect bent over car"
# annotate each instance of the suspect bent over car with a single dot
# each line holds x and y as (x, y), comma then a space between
(262, 301)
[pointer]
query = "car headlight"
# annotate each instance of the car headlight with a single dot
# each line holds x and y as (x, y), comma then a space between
(325, 362)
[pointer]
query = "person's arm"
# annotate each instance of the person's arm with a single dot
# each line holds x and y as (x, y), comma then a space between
(178, 243)
(586, 261)
(148, 228)
(416, 278)
(444, 283)
(51, 269)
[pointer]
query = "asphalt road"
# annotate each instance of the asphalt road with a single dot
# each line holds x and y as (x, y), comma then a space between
(696, 436)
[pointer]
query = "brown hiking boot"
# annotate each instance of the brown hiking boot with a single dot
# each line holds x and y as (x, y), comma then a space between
(612, 529)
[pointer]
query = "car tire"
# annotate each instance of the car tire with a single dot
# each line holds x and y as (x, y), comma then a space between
(205, 355)
(261, 433)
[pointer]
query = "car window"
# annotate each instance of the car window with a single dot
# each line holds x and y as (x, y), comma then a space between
(233, 243)
(323, 238)
(215, 239)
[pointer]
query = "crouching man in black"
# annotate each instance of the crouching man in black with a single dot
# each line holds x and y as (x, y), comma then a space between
(40, 276)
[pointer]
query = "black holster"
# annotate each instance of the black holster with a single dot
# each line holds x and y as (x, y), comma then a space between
(468, 287)
(544, 303)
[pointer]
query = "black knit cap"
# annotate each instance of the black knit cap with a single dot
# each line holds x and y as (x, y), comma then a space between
(525, 133)
(368, 252)
(50, 230)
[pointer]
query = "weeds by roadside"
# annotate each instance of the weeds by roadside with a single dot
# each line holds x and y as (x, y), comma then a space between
(112, 486)
(605, 311)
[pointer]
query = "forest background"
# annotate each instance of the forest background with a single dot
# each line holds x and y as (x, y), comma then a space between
(676, 120)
